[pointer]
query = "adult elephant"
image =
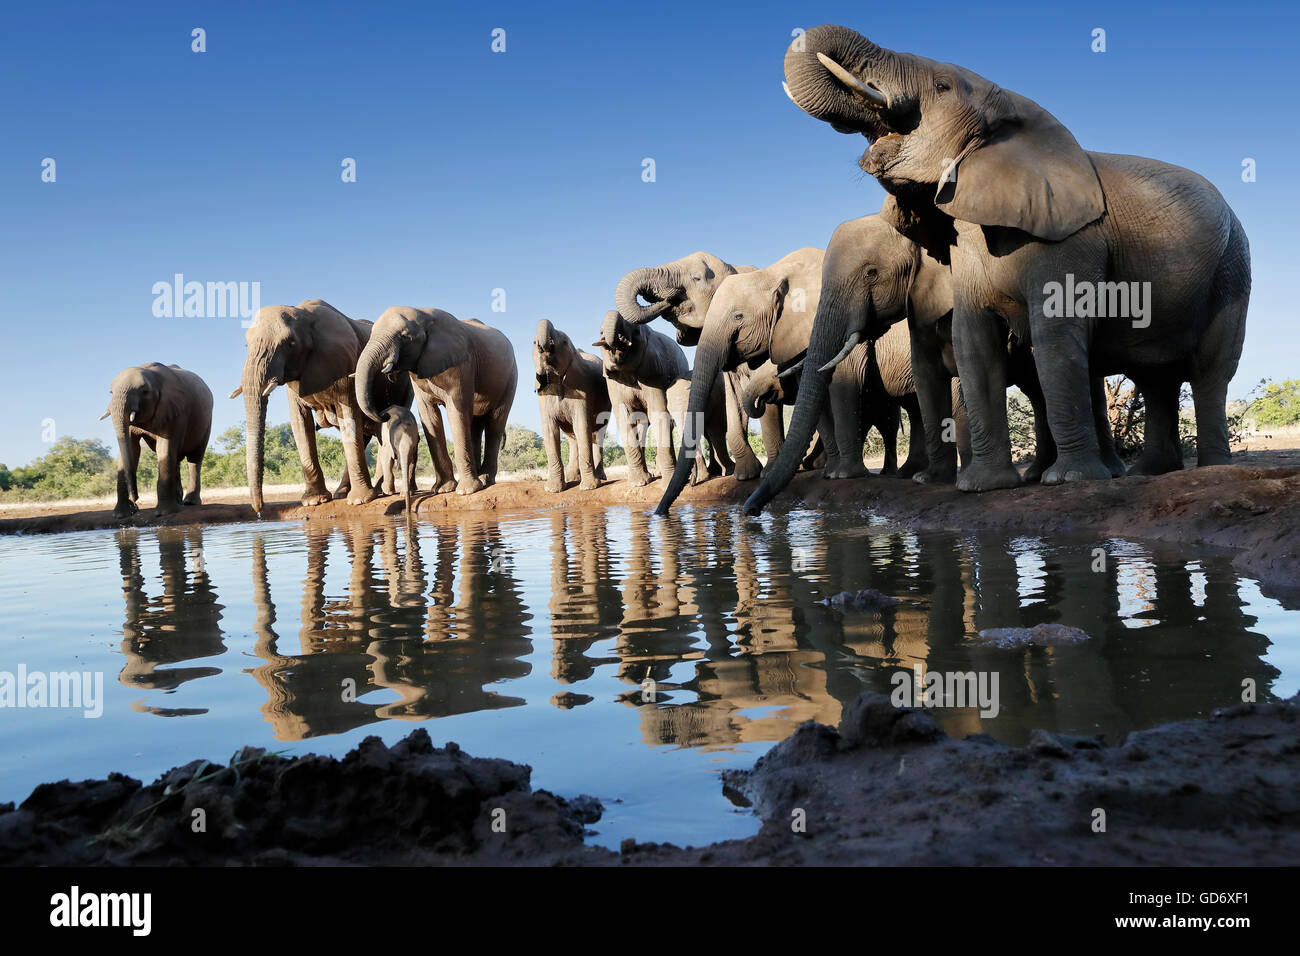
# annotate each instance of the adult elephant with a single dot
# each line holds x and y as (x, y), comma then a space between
(465, 366)
(753, 317)
(1103, 263)
(311, 349)
(680, 292)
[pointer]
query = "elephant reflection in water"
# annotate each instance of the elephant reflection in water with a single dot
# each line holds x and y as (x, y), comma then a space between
(180, 625)
(585, 602)
(750, 622)
(435, 648)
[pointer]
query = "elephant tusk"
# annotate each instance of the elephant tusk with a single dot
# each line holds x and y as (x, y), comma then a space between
(131, 418)
(106, 414)
(237, 392)
(849, 345)
(786, 87)
(270, 387)
(870, 94)
(792, 369)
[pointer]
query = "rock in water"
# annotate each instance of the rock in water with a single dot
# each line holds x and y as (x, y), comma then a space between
(868, 599)
(1041, 635)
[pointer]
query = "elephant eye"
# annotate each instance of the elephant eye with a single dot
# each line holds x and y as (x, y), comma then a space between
(941, 86)
(872, 272)
(697, 278)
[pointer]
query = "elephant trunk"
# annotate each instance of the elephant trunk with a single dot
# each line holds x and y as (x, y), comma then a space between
(378, 354)
(708, 365)
(259, 380)
(811, 65)
(126, 448)
(829, 330)
(658, 284)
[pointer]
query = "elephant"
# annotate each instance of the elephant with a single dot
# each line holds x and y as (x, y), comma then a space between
(574, 400)
(768, 314)
(649, 383)
(399, 444)
(463, 365)
(885, 383)
(311, 349)
(680, 292)
(1102, 263)
(170, 409)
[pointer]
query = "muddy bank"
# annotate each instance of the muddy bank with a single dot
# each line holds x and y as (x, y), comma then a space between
(1252, 508)
(408, 804)
(888, 788)
(884, 788)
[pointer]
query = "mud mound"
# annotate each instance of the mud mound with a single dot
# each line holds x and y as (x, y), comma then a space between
(888, 788)
(410, 804)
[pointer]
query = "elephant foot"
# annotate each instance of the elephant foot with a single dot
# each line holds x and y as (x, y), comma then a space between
(167, 508)
(935, 475)
(362, 496)
(1034, 473)
(192, 499)
(340, 492)
(1155, 464)
(747, 470)
(470, 485)
(979, 476)
(1115, 464)
(444, 487)
(639, 480)
(589, 484)
(125, 509)
(910, 469)
(311, 499)
(1075, 468)
(554, 487)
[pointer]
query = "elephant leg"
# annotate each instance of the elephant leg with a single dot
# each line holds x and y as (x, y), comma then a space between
(830, 445)
(1061, 360)
(887, 424)
(772, 427)
(1105, 439)
(845, 402)
(494, 432)
(720, 460)
(918, 459)
(555, 476)
(384, 461)
(815, 457)
(344, 484)
(571, 466)
(1044, 443)
(476, 429)
(1210, 396)
(459, 417)
(979, 342)
(168, 493)
(193, 488)
(303, 425)
(355, 440)
(128, 461)
(1161, 450)
(582, 451)
(661, 420)
(435, 437)
(747, 466)
(632, 429)
(598, 443)
(961, 424)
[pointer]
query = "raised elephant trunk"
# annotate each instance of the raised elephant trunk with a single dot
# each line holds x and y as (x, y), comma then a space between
(376, 359)
(657, 284)
(828, 334)
(708, 364)
(823, 69)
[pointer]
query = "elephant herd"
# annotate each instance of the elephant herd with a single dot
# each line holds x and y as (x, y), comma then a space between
(1004, 254)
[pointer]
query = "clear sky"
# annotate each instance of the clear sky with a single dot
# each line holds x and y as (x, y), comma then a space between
(522, 170)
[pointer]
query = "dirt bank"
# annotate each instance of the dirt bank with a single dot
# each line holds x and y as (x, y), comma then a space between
(1254, 508)
(886, 787)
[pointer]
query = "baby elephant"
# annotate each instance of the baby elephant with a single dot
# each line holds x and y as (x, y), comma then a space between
(171, 409)
(574, 397)
(399, 444)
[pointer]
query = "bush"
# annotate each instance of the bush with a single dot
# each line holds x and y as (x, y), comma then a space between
(1277, 405)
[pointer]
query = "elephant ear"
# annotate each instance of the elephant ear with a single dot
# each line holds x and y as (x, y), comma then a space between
(1029, 174)
(446, 344)
(336, 345)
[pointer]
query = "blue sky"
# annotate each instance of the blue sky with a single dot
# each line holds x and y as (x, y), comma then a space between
(522, 170)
